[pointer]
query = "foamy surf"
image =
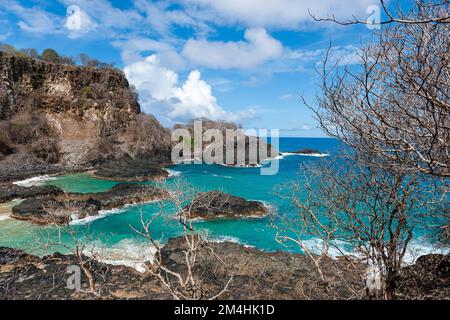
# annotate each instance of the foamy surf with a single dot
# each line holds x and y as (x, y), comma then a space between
(4, 216)
(317, 155)
(241, 165)
(339, 248)
(223, 239)
(35, 181)
(220, 176)
(104, 213)
(128, 252)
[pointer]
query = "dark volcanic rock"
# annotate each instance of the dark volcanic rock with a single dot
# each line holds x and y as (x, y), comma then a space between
(60, 209)
(9, 191)
(131, 170)
(63, 118)
(216, 204)
(255, 275)
(124, 193)
(8, 255)
(307, 151)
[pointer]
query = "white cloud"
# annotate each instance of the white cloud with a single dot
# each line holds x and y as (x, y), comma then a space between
(160, 94)
(105, 16)
(275, 13)
(32, 19)
(288, 96)
(259, 47)
(135, 49)
(5, 36)
(78, 22)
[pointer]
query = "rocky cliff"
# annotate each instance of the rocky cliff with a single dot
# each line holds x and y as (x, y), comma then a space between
(56, 117)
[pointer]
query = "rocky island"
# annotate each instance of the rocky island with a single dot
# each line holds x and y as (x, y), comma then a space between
(216, 204)
(57, 118)
(255, 275)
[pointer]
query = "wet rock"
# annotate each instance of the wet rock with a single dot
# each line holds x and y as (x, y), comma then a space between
(131, 170)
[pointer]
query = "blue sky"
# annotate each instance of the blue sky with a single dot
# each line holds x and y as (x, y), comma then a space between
(245, 61)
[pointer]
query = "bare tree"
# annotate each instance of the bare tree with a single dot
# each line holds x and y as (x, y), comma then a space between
(182, 284)
(81, 246)
(359, 210)
(395, 13)
(395, 107)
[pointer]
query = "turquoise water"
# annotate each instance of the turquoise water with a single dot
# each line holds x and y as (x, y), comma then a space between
(113, 231)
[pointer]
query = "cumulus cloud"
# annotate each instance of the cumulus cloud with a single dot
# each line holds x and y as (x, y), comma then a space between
(161, 17)
(275, 13)
(259, 47)
(160, 94)
(134, 49)
(32, 19)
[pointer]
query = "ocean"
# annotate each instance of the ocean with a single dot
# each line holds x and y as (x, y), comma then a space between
(111, 234)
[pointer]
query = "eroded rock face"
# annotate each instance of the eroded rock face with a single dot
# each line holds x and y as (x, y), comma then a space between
(64, 208)
(216, 204)
(59, 118)
(61, 88)
(131, 170)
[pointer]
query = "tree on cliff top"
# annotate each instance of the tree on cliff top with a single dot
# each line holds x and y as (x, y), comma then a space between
(50, 55)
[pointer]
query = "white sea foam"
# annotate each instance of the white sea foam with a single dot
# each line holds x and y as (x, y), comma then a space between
(101, 214)
(241, 165)
(128, 252)
(104, 213)
(35, 181)
(4, 216)
(318, 155)
(419, 248)
(415, 249)
(338, 248)
(222, 239)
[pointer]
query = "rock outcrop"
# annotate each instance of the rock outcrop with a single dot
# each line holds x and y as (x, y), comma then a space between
(56, 118)
(216, 204)
(131, 170)
(67, 207)
(246, 150)
(256, 275)
(307, 151)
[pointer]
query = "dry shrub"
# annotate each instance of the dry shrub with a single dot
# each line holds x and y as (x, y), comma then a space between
(145, 135)
(32, 131)
(46, 149)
